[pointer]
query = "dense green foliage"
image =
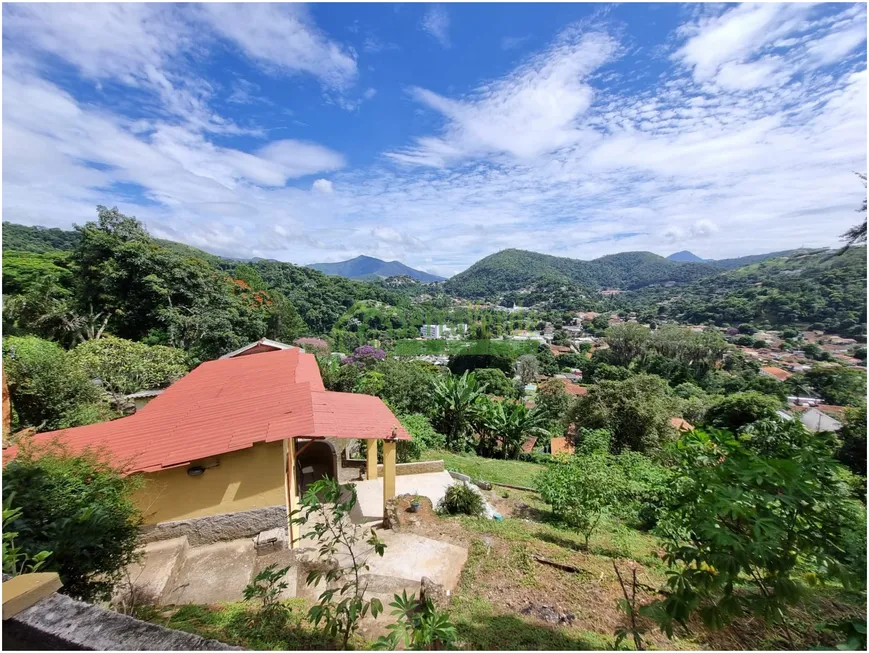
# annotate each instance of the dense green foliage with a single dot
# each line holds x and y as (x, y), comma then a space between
(810, 287)
(736, 410)
(81, 509)
(745, 511)
(636, 411)
(38, 239)
(125, 367)
(47, 388)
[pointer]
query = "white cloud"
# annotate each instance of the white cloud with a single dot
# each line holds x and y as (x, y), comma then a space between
(436, 22)
(283, 37)
(556, 155)
(322, 186)
(531, 111)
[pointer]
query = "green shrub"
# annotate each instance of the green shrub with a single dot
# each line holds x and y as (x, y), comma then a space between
(583, 490)
(460, 499)
(47, 388)
(81, 509)
(422, 432)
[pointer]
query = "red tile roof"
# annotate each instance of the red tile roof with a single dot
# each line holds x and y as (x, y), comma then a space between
(528, 446)
(777, 373)
(230, 404)
(573, 389)
(680, 424)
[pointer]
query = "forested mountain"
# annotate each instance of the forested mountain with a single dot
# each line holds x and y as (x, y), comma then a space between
(687, 257)
(368, 268)
(38, 239)
(513, 269)
(807, 288)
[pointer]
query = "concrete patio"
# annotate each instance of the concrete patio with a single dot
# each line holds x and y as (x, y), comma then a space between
(369, 505)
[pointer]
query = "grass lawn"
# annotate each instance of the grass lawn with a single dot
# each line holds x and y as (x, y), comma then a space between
(511, 472)
(420, 347)
(237, 624)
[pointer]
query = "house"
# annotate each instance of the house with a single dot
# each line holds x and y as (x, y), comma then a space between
(240, 434)
(573, 389)
(557, 350)
(140, 399)
(776, 373)
(680, 424)
(260, 346)
(803, 401)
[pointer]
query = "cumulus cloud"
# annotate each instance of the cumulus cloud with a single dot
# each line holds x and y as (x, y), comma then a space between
(282, 36)
(436, 22)
(322, 186)
(531, 111)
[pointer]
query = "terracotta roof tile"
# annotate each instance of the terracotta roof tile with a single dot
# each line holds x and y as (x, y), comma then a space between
(230, 404)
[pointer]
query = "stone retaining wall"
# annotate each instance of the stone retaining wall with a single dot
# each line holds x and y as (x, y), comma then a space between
(61, 623)
(217, 528)
(420, 467)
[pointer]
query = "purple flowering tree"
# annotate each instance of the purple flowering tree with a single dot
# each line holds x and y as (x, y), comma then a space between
(365, 356)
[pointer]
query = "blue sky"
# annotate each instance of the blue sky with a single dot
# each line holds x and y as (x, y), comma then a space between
(439, 134)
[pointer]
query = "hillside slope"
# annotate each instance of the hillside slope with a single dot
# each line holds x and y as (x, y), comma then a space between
(513, 269)
(809, 287)
(372, 269)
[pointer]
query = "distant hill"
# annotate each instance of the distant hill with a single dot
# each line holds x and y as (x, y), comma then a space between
(367, 268)
(814, 288)
(514, 269)
(729, 263)
(38, 239)
(687, 257)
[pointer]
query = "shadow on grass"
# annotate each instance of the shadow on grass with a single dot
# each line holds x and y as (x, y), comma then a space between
(524, 511)
(563, 542)
(510, 633)
(237, 624)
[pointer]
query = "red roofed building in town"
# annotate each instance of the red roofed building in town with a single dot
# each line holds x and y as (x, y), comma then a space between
(236, 433)
(573, 389)
(776, 372)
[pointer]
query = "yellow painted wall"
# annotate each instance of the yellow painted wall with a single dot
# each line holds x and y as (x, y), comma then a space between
(245, 479)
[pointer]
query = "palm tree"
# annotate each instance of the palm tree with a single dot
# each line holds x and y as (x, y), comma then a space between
(507, 424)
(455, 398)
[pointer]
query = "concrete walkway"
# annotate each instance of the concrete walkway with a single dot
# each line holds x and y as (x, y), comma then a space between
(369, 505)
(172, 572)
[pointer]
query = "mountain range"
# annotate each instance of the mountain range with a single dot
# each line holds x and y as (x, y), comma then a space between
(728, 263)
(367, 268)
(515, 269)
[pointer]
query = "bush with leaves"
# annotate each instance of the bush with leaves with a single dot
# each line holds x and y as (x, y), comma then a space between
(325, 509)
(420, 626)
(737, 410)
(124, 366)
(48, 390)
(853, 438)
(81, 509)
(266, 588)
(15, 560)
(496, 382)
(461, 499)
(422, 433)
(744, 510)
(583, 490)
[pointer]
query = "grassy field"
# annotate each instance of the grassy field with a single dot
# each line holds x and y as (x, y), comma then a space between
(434, 347)
(511, 472)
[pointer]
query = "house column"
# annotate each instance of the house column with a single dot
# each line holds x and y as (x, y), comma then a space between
(388, 472)
(371, 459)
(291, 485)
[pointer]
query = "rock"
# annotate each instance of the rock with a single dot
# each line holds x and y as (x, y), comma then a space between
(484, 485)
(436, 593)
(218, 528)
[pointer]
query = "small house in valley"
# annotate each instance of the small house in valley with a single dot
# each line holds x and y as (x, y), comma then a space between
(241, 433)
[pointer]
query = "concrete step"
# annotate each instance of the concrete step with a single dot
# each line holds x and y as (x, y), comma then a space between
(214, 573)
(157, 569)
